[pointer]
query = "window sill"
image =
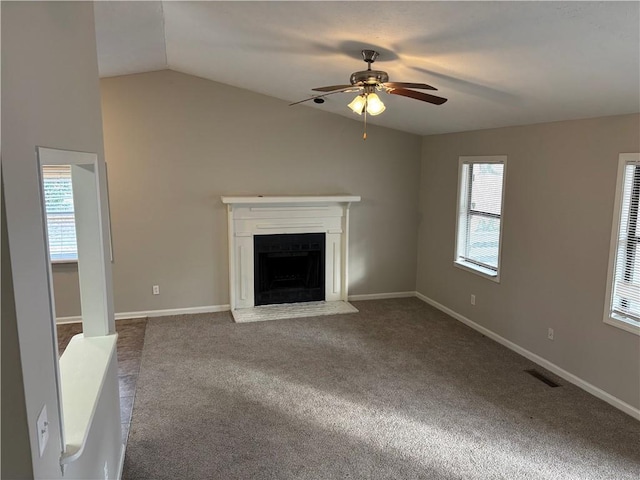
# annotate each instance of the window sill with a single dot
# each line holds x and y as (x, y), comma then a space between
(83, 370)
(478, 270)
(64, 262)
(623, 324)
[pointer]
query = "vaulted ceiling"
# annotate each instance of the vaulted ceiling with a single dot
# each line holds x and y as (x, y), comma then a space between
(498, 63)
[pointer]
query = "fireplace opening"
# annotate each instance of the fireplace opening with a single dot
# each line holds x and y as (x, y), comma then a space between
(289, 268)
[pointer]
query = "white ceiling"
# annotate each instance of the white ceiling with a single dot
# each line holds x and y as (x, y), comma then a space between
(498, 63)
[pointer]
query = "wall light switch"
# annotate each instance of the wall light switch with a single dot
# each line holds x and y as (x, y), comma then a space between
(473, 299)
(43, 429)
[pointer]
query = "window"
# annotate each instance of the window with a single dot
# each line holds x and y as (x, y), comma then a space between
(479, 226)
(61, 225)
(623, 295)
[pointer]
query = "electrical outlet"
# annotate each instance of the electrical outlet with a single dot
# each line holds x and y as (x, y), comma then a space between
(42, 425)
(473, 299)
(156, 289)
(550, 334)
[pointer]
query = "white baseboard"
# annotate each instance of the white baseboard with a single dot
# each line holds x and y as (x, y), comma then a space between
(173, 311)
(381, 296)
(121, 462)
(154, 313)
(65, 320)
(552, 367)
(219, 308)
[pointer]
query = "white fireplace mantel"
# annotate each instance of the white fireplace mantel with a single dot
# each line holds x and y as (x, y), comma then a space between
(291, 199)
(265, 215)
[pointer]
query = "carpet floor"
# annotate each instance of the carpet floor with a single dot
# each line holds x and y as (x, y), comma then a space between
(399, 390)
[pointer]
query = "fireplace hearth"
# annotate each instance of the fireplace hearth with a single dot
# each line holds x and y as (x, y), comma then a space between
(289, 268)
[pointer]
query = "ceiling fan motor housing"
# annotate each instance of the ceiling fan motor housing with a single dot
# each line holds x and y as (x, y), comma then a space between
(369, 77)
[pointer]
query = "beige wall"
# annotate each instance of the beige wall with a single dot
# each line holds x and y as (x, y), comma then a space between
(66, 289)
(50, 97)
(560, 188)
(16, 450)
(175, 143)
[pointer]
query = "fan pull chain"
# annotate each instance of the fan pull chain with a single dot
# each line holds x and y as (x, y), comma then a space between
(364, 135)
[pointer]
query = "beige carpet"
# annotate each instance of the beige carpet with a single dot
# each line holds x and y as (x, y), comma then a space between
(398, 390)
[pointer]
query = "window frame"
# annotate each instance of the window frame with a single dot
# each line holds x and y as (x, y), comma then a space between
(464, 188)
(610, 317)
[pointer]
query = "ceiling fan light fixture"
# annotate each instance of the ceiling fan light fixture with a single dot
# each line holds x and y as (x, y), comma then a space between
(358, 104)
(374, 105)
(368, 82)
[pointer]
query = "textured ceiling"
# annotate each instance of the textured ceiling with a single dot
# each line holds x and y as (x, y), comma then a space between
(498, 63)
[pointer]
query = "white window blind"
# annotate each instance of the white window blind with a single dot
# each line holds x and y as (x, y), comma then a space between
(625, 297)
(58, 199)
(480, 214)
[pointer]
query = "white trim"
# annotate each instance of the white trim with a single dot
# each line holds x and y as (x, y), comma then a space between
(121, 462)
(64, 262)
(295, 199)
(344, 268)
(90, 242)
(622, 323)
(592, 389)
(380, 296)
(83, 371)
(131, 315)
(251, 216)
(68, 320)
(570, 377)
(623, 160)
(460, 203)
(173, 311)
(153, 313)
(477, 269)
(220, 308)
(232, 249)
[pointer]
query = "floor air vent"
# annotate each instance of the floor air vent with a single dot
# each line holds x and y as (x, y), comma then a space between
(542, 378)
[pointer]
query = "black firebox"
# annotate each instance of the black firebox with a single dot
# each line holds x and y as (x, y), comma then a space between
(289, 268)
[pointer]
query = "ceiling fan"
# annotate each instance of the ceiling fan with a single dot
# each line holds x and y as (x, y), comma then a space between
(367, 82)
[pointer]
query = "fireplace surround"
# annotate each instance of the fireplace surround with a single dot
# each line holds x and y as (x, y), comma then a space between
(251, 217)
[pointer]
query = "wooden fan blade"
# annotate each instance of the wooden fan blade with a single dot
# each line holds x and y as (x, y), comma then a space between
(422, 86)
(349, 88)
(425, 97)
(331, 88)
(305, 100)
